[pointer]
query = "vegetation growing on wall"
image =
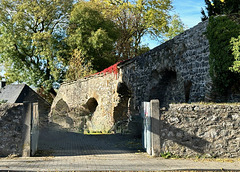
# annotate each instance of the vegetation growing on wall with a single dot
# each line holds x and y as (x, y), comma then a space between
(3, 101)
(220, 31)
(235, 42)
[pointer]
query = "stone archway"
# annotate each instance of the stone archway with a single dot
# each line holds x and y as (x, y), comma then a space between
(121, 111)
(75, 118)
(165, 87)
(92, 104)
(59, 115)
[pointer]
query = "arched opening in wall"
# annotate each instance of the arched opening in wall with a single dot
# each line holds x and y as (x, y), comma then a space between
(121, 111)
(61, 106)
(75, 143)
(87, 112)
(165, 87)
(127, 124)
(59, 115)
(92, 104)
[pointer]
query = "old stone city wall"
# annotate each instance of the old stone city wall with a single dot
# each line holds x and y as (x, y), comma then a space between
(87, 104)
(210, 130)
(176, 71)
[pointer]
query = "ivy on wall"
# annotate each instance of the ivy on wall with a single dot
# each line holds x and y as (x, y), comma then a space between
(220, 31)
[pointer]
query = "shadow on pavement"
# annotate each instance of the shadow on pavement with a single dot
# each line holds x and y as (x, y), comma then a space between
(59, 142)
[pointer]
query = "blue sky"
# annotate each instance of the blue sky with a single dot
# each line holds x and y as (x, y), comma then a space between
(189, 12)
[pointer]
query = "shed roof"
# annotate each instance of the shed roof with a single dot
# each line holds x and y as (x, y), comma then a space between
(11, 92)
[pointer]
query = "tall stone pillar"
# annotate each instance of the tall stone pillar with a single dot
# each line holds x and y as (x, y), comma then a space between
(26, 151)
(155, 131)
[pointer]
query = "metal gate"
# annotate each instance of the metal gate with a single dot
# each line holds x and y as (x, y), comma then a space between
(146, 135)
(151, 127)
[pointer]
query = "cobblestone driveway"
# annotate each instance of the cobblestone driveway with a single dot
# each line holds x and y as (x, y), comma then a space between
(66, 151)
(63, 143)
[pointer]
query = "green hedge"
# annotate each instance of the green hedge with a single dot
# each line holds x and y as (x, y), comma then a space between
(220, 30)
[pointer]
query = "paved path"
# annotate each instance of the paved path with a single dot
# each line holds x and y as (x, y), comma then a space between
(110, 162)
(63, 143)
(66, 151)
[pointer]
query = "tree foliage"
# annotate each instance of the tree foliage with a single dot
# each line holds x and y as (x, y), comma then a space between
(31, 40)
(79, 66)
(43, 42)
(219, 33)
(136, 19)
(219, 7)
(235, 42)
(106, 32)
(176, 27)
(92, 35)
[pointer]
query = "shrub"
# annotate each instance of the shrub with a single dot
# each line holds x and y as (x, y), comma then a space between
(220, 30)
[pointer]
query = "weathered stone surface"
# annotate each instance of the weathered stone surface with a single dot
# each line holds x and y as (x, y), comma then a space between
(195, 129)
(176, 71)
(11, 125)
(89, 103)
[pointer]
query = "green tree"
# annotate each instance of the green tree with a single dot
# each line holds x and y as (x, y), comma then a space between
(176, 27)
(220, 31)
(79, 67)
(219, 7)
(92, 35)
(31, 41)
(136, 19)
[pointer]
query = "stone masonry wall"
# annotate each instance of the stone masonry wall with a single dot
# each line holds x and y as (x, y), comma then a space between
(11, 125)
(195, 129)
(174, 72)
(86, 104)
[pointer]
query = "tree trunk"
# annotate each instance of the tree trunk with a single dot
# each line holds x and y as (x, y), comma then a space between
(52, 93)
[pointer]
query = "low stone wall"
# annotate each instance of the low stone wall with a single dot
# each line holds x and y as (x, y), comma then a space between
(11, 126)
(198, 129)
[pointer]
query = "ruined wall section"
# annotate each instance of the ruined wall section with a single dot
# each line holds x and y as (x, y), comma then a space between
(86, 104)
(176, 71)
